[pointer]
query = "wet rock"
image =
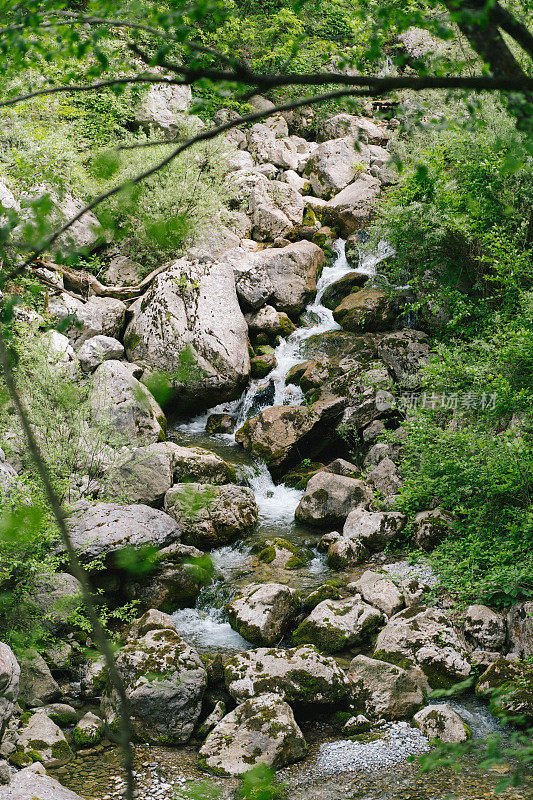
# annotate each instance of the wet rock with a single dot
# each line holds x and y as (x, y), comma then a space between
(190, 332)
(509, 687)
(329, 498)
(99, 316)
(385, 478)
(98, 349)
(209, 515)
(56, 595)
(275, 209)
(103, 529)
(220, 423)
(164, 680)
(338, 624)
(284, 277)
(354, 207)
(269, 322)
(380, 591)
(344, 552)
(365, 310)
(520, 629)
(443, 723)
(261, 730)
(298, 675)
(375, 529)
(118, 399)
(9, 684)
(430, 528)
(484, 628)
(28, 784)
(40, 739)
(425, 638)
(281, 553)
(383, 690)
(337, 291)
(89, 731)
(262, 365)
(261, 613)
(36, 684)
(333, 165)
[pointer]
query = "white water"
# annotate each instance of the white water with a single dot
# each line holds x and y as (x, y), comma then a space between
(207, 630)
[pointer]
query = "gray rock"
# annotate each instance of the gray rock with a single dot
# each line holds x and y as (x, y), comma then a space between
(298, 675)
(443, 723)
(484, 628)
(329, 498)
(163, 107)
(43, 737)
(520, 629)
(344, 553)
(218, 713)
(9, 685)
(275, 209)
(380, 591)
(405, 352)
(36, 684)
(270, 322)
(98, 316)
(261, 613)
(5, 772)
(267, 146)
(60, 713)
(333, 165)
(94, 678)
(210, 516)
(285, 277)
(425, 638)
(29, 784)
(338, 624)
(56, 595)
(103, 529)
(165, 681)
(122, 270)
(375, 529)
(259, 731)
(354, 207)
(362, 128)
(384, 690)
(98, 349)
(385, 478)
(119, 400)
(430, 528)
(190, 331)
(58, 348)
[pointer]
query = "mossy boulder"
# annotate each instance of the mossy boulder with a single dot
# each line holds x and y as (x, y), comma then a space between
(281, 553)
(442, 722)
(509, 687)
(336, 625)
(365, 310)
(261, 365)
(324, 592)
(40, 739)
(89, 731)
(261, 613)
(348, 284)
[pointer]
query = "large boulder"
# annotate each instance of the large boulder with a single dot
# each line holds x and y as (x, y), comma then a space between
(27, 784)
(362, 128)
(380, 591)
(99, 316)
(98, 349)
(261, 730)
(299, 675)
(280, 434)
(102, 530)
(354, 207)
(36, 684)
(329, 498)
(338, 624)
(425, 637)
(89, 731)
(344, 553)
(485, 629)
(269, 148)
(384, 478)
(335, 293)
(57, 595)
(119, 400)
(275, 209)
(190, 331)
(374, 529)
(163, 107)
(269, 323)
(520, 629)
(164, 680)
(285, 277)
(365, 310)
(209, 515)
(40, 739)
(429, 528)
(333, 165)
(442, 722)
(9, 685)
(405, 353)
(261, 613)
(509, 687)
(383, 690)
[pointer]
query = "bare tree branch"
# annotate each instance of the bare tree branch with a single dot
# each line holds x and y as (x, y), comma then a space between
(76, 568)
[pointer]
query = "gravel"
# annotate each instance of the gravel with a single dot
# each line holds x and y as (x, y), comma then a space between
(399, 740)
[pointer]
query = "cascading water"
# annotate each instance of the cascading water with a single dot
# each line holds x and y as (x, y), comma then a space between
(276, 503)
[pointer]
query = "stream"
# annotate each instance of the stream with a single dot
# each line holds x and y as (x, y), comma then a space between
(371, 767)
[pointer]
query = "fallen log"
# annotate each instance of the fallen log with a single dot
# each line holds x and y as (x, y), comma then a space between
(86, 284)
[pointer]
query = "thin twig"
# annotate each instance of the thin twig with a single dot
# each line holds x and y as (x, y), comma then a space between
(77, 570)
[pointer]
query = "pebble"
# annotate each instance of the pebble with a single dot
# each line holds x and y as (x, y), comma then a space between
(403, 570)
